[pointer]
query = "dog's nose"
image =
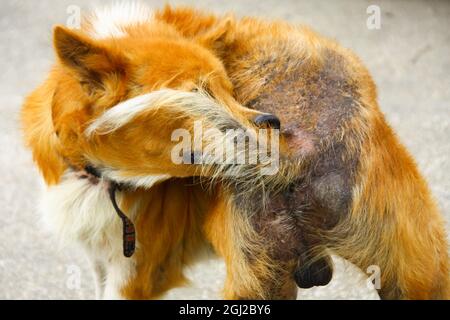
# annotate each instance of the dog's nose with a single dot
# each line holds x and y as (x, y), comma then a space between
(267, 120)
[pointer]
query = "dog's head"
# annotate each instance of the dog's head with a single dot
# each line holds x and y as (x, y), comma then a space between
(123, 104)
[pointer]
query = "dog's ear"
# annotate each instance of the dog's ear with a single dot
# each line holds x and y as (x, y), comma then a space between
(220, 36)
(88, 59)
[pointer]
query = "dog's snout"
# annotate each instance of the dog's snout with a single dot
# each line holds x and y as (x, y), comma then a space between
(267, 120)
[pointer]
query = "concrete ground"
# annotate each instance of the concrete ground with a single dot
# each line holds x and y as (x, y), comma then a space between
(409, 58)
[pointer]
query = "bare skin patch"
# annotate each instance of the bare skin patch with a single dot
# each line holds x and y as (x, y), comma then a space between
(313, 101)
(310, 97)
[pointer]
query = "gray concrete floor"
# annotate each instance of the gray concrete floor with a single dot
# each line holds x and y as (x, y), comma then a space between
(409, 58)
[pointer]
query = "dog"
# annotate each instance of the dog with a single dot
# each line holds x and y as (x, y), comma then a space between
(101, 126)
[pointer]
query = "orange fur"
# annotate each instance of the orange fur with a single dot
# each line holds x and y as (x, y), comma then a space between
(391, 220)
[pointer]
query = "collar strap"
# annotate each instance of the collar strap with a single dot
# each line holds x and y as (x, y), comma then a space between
(129, 232)
(93, 171)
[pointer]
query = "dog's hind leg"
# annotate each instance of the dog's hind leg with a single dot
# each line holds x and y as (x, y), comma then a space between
(252, 271)
(394, 223)
(410, 253)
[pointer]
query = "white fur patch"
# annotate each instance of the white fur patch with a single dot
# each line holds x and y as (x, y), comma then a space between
(111, 21)
(80, 212)
(118, 274)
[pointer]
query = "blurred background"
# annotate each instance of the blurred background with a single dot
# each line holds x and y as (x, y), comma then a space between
(409, 58)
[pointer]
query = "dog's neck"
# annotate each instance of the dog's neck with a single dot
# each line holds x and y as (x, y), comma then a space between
(92, 174)
(129, 234)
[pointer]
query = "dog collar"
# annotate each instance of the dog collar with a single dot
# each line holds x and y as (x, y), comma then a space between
(129, 231)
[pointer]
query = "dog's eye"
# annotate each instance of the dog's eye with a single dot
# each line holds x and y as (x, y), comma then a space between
(194, 90)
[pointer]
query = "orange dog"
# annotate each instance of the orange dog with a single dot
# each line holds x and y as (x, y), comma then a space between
(102, 124)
